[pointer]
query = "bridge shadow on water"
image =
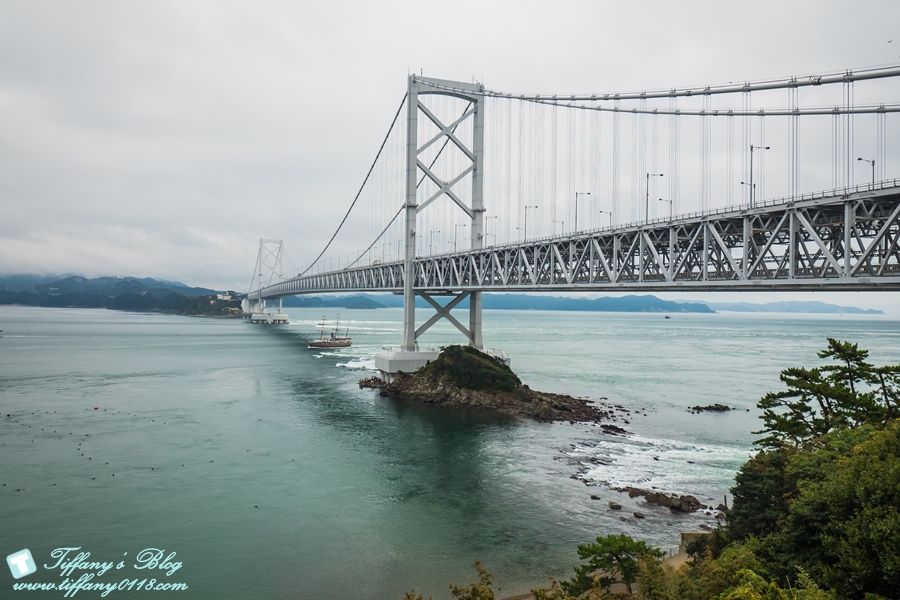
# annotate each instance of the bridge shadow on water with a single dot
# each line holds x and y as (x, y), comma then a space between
(409, 432)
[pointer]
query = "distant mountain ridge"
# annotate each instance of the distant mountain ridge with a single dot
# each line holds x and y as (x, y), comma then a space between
(631, 303)
(793, 306)
(512, 302)
(120, 293)
(133, 293)
(112, 286)
(116, 286)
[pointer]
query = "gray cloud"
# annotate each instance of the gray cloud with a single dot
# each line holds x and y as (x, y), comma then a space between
(164, 138)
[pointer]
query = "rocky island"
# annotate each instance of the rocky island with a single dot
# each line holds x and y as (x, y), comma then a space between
(464, 377)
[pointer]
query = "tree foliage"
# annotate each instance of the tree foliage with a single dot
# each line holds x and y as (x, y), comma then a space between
(847, 394)
(844, 526)
(476, 590)
(612, 557)
(471, 369)
(752, 586)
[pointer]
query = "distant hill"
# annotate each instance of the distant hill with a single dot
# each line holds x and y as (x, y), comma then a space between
(605, 304)
(22, 283)
(133, 293)
(116, 286)
(121, 293)
(509, 302)
(110, 286)
(314, 301)
(809, 306)
(632, 303)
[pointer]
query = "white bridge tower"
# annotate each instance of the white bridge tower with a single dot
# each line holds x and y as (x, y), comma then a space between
(409, 357)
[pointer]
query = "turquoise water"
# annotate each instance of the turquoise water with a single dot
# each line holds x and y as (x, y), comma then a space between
(271, 474)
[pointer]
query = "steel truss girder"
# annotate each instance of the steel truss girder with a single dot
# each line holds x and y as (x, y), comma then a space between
(848, 242)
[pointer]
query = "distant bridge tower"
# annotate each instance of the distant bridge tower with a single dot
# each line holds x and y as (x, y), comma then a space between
(410, 357)
(269, 268)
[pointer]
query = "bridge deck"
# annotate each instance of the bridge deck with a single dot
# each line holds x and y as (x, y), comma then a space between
(841, 241)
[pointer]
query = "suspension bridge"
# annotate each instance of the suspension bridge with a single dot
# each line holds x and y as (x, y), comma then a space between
(476, 190)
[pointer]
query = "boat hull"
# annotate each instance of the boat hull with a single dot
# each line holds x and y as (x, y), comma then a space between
(333, 343)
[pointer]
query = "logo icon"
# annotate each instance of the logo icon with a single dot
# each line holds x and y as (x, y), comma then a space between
(21, 563)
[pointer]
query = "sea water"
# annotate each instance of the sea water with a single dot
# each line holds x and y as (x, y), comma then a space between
(268, 473)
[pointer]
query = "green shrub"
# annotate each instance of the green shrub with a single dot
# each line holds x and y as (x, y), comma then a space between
(471, 369)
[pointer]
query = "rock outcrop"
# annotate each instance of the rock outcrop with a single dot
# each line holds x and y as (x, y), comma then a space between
(463, 377)
(710, 408)
(683, 503)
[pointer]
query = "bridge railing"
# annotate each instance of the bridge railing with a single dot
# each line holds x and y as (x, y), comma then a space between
(886, 184)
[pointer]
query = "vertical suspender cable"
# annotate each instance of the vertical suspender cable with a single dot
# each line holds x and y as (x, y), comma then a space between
(642, 153)
(761, 161)
(845, 132)
(520, 196)
(595, 166)
(704, 155)
(615, 164)
(746, 140)
(880, 143)
(729, 169)
(637, 187)
(554, 142)
(852, 128)
(835, 149)
(507, 192)
(583, 158)
(570, 160)
(677, 197)
(654, 155)
(673, 173)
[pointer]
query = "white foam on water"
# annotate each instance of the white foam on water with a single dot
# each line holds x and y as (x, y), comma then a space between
(365, 364)
(670, 466)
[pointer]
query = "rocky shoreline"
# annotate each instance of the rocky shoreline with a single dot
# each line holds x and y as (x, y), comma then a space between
(464, 378)
(685, 503)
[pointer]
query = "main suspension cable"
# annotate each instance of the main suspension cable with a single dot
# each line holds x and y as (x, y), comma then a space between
(372, 168)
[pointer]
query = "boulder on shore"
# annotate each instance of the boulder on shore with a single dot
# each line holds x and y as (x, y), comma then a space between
(463, 377)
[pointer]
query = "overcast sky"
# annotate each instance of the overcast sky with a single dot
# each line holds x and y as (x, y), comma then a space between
(163, 139)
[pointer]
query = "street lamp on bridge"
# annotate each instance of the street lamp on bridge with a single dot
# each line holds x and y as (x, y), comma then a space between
(455, 231)
(871, 162)
(670, 206)
(576, 207)
(647, 197)
(526, 220)
(486, 234)
(431, 240)
(562, 226)
(608, 214)
(751, 184)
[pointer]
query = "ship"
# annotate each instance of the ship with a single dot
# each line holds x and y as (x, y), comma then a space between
(333, 339)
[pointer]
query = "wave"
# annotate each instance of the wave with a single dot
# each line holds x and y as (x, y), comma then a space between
(667, 465)
(362, 364)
